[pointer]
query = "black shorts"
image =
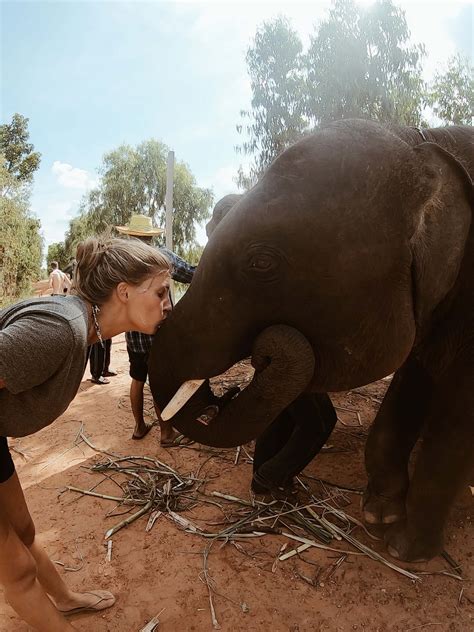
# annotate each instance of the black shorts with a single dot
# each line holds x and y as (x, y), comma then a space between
(7, 468)
(138, 365)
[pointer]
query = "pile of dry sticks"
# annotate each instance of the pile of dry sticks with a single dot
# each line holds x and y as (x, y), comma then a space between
(149, 486)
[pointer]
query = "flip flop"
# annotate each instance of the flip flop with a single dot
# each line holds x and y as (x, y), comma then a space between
(179, 440)
(148, 428)
(103, 599)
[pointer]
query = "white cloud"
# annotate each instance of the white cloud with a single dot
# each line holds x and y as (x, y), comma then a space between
(61, 209)
(71, 177)
(223, 181)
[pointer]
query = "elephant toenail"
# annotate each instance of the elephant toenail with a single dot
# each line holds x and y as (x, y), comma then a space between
(371, 518)
(391, 518)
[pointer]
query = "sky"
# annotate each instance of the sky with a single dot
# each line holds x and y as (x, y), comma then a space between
(91, 75)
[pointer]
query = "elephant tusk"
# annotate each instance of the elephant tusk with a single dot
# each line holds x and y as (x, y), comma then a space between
(184, 392)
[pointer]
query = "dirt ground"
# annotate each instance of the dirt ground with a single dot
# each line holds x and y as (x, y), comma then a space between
(160, 571)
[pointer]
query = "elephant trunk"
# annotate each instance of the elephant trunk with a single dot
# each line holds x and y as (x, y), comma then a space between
(284, 365)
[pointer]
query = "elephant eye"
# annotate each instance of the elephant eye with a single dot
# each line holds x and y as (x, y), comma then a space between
(262, 262)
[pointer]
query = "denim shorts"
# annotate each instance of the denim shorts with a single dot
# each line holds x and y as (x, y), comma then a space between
(7, 468)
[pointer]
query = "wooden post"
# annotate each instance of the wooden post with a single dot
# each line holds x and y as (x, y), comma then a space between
(169, 208)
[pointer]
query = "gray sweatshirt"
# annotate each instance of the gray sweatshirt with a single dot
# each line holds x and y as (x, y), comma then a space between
(43, 355)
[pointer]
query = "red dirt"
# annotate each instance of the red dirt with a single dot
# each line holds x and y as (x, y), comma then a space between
(159, 570)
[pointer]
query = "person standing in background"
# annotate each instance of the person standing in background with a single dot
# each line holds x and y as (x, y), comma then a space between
(59, 282)
(99, 362)
(139, 344)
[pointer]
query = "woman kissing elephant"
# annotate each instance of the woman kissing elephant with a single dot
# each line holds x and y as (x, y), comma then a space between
(351, 259)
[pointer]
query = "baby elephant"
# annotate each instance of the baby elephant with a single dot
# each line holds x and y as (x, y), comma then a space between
(351, 259)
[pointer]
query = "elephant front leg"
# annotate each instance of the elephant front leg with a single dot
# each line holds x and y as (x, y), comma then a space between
(443, 464)
(390, 442)
(292, 441)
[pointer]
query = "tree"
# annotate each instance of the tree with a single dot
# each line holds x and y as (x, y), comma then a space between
(20, 159)
(451, 94)
(277, 117)
(20, 242)
(57, 252)
(358, 64)
(134, 181)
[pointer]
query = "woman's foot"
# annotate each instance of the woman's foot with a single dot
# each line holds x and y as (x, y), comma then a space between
(91, 601)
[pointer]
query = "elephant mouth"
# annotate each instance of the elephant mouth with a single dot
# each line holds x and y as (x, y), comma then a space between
(210, 411)
(284, 364)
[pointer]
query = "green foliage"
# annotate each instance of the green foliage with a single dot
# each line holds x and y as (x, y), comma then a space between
(277, 117)
(134, 181)
(20, 242)
(358, 64)
(451, 94)
(57, 252)
(20, 159)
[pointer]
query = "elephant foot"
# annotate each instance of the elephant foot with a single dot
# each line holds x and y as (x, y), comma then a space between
(382, 510)
(406, 544)
(264, 487)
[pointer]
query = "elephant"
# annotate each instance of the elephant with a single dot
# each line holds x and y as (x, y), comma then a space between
(351, 259)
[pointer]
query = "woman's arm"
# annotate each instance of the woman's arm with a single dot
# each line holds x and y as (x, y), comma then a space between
(2, 383)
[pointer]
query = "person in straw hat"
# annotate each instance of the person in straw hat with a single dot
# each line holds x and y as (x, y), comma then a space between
(139, 344)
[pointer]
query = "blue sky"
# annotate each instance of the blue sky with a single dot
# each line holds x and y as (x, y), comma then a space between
(91, 75)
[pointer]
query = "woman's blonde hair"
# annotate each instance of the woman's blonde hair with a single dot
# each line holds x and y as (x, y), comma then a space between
(104, 263)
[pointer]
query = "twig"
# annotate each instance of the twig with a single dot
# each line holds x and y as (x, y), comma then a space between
(293, 552)
(109, 551)
(128, 520)
(207, 580)
(454, 565)
(278, 555)
(127, 501)
(232, 498)
(353, 490)
(152, 624)
(152, 519)
(73, 569)
(237, 454)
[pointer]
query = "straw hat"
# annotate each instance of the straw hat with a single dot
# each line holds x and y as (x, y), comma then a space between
(140, 226)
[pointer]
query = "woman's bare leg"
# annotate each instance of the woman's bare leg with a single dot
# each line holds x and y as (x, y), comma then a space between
(13, 503)
(23, 591)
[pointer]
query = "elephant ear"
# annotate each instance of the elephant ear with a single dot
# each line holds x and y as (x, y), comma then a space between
(442, 228)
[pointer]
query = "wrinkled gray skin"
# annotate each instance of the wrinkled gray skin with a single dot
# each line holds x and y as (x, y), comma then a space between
(351, 259)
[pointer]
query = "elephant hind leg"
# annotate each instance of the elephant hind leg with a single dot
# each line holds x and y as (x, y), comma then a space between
(442, 465)
(391, 439)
